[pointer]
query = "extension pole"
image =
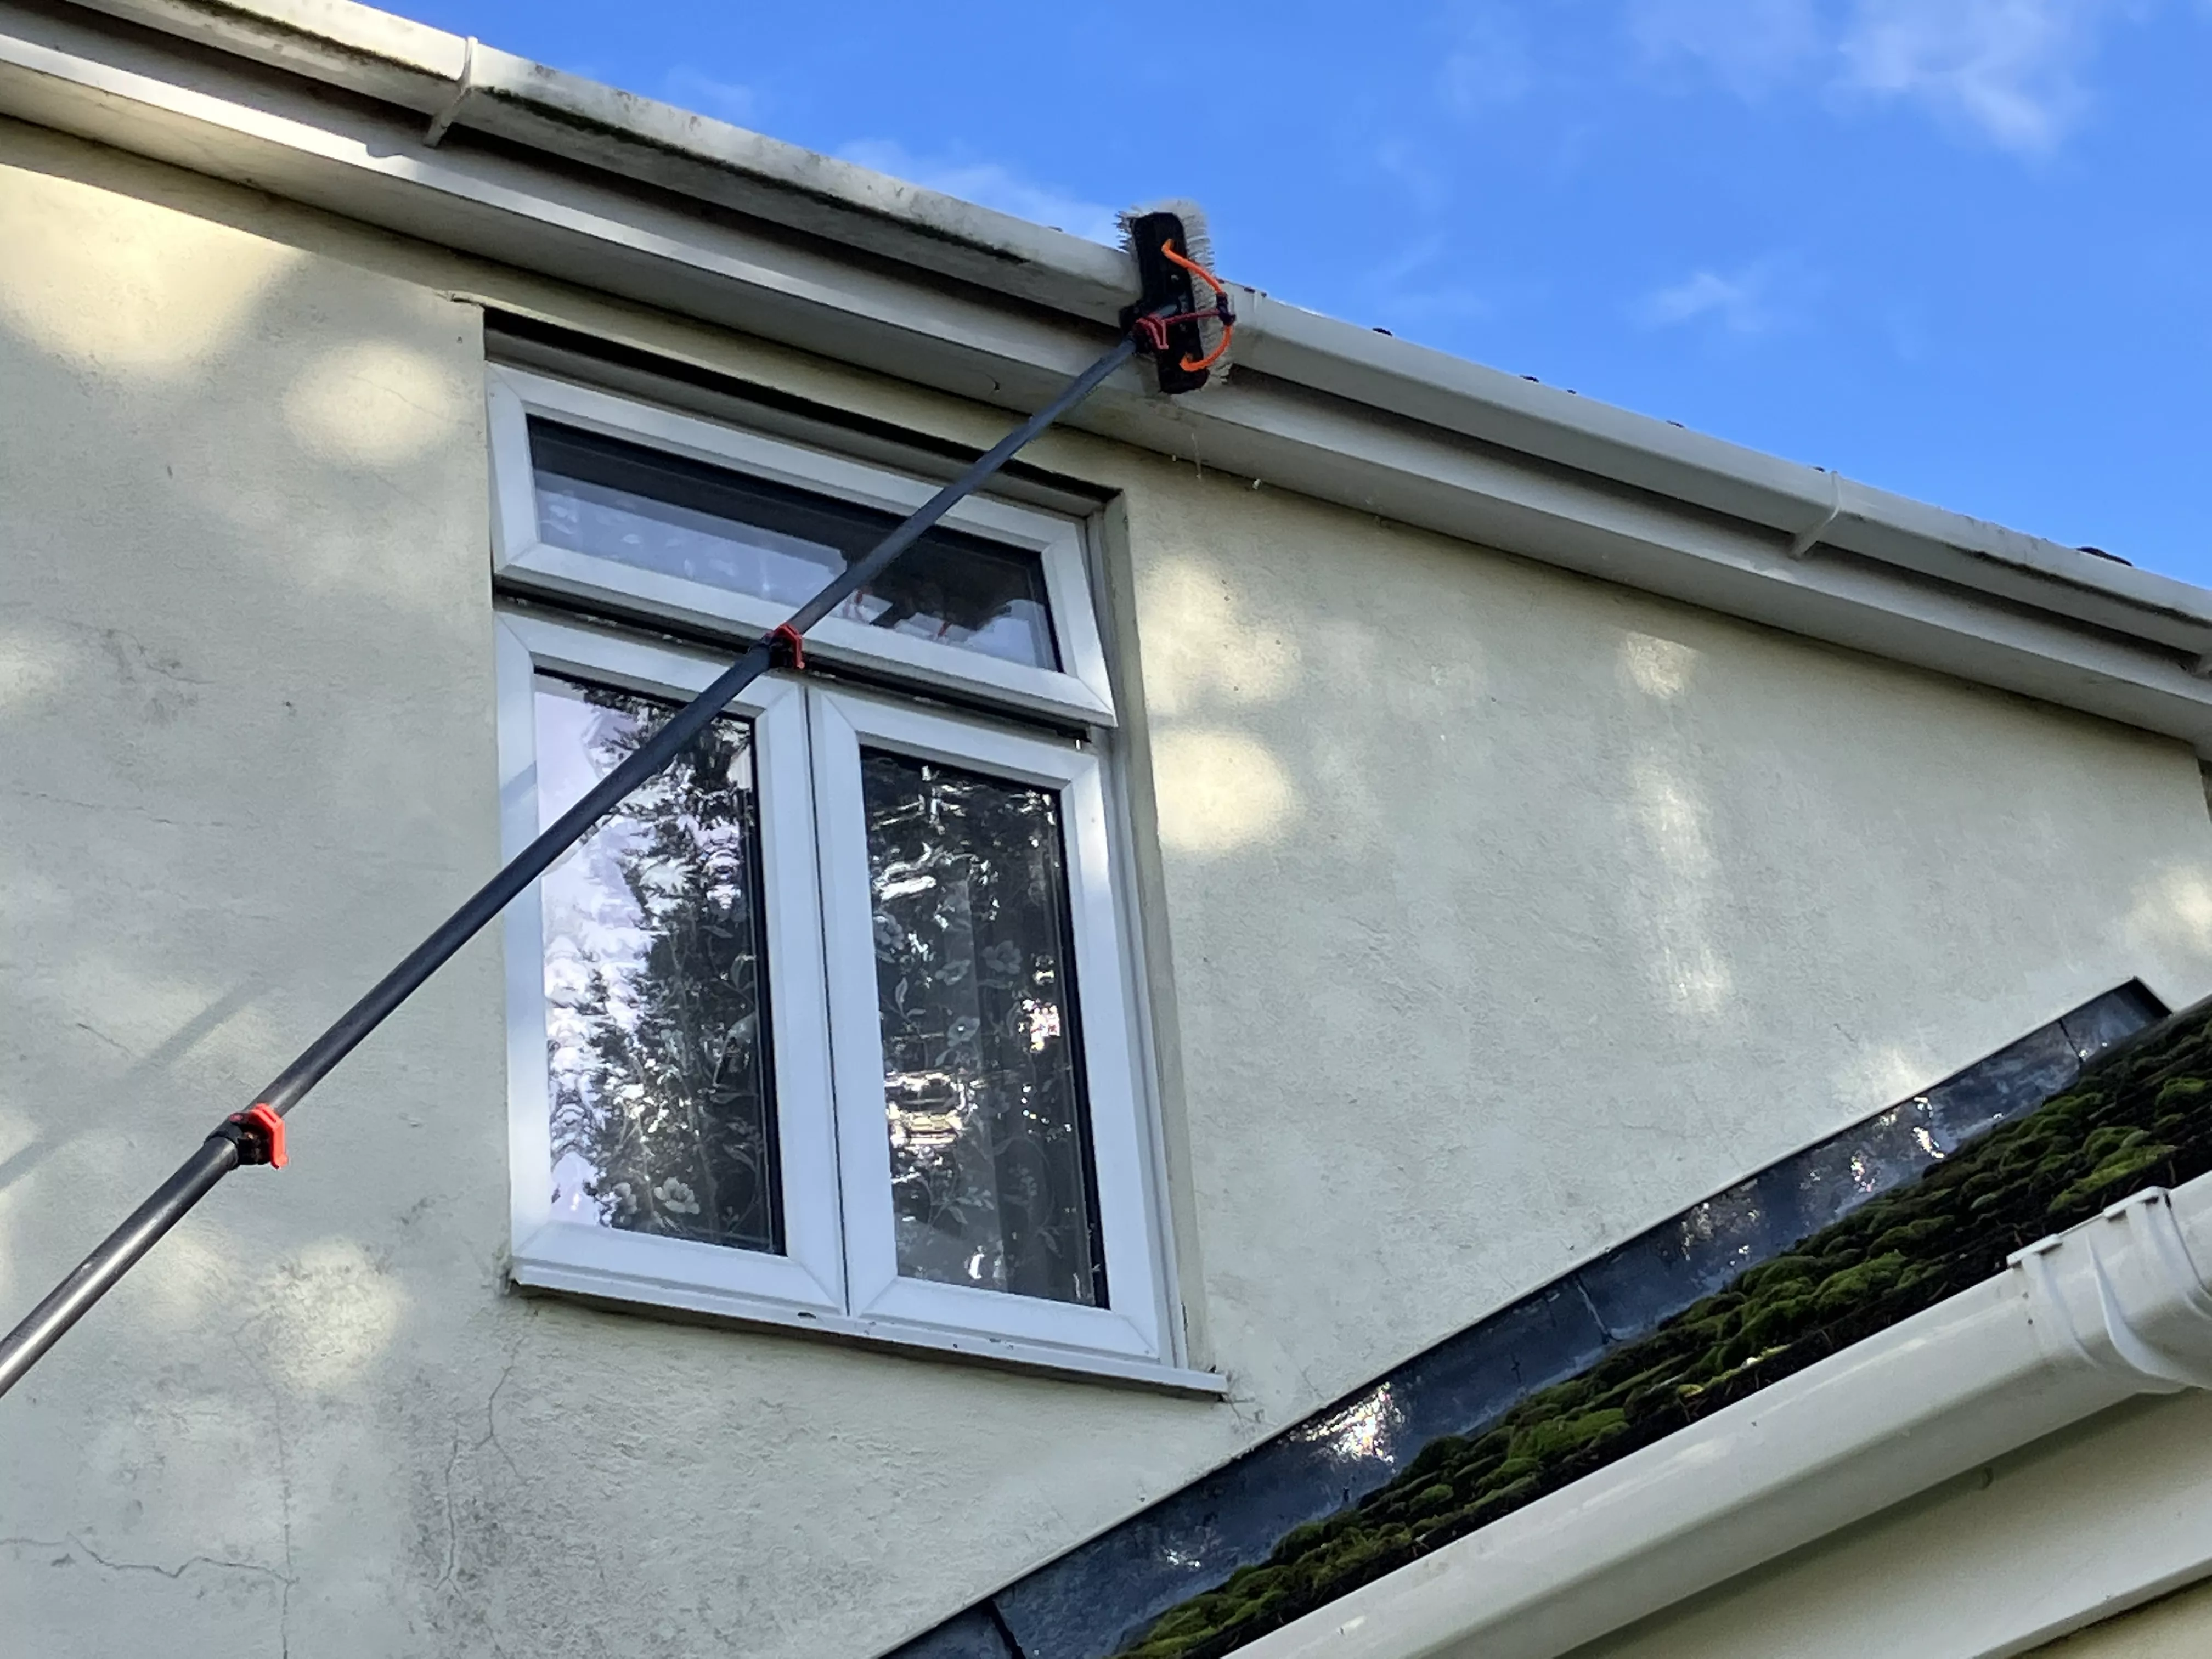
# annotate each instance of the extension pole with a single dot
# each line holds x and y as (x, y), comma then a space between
(237, 1139)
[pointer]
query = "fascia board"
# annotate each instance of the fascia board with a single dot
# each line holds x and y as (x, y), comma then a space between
(377, 55)
(1389, 442)
(1635, 450)
(279, 136)
(1475, 493)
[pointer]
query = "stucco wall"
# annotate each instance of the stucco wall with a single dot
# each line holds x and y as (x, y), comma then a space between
(1511, 909)
(1498, 914)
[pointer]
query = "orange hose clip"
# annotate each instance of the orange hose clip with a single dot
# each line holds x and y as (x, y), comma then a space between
(262, 1119)
(1221, 306)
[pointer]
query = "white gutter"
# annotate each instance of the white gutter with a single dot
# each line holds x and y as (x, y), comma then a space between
(2111, 1309)
(361, 113)
(466, 85)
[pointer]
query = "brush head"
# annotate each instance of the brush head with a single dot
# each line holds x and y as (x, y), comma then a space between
(1147, 232)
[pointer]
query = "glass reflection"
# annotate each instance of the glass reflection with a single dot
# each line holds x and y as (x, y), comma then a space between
(991, 1182)
(668, 514)
(656, 1044)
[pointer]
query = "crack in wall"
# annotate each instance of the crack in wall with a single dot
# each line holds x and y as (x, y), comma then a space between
(453, 1462)
(275, 1421)
(80, 1547)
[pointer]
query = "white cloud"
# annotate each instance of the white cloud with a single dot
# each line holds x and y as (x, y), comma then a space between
(1744, 302)
(990, 184)
(726, 100)
(2010, 68)
(1488, 65)
(1751, 45)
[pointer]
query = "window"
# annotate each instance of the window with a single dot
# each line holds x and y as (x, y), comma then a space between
(601, 499)
(832, 1024)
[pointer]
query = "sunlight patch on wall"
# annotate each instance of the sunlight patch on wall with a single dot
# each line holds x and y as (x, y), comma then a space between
(150, 1014)
(1218, 789)
(194, 1277)
(1658, 668)
(335, 1312)
(111, 285)
(1882, 1071)
(32, 667)
(19, 1133)
(1678, 895)
(1201, 645)
(2173, 912)
(372, 403)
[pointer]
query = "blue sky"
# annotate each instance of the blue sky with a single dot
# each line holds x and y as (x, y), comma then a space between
(1957, 248)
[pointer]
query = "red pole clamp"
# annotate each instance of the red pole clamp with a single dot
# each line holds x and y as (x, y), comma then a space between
(263, 1121)
(792, 644)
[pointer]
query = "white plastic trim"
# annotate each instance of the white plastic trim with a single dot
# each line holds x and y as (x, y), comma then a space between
(1080, 692)
(366, 51)
(835, 1192)
(2134, 1308)
(1620, 496)
(844, 723)
(1018, 1353)
(809, 1275)
(2111, 1309)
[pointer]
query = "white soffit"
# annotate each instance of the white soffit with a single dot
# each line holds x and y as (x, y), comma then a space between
(331, 103)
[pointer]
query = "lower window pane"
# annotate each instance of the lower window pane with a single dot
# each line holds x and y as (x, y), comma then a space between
(656, 983)
(991, 1178)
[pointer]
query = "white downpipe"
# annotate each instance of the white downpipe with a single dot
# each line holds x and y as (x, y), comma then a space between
(2076, 1323)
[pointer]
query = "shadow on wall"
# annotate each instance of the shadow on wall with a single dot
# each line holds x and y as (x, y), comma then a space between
(184, 406)
(243, 708)
(1450, 810)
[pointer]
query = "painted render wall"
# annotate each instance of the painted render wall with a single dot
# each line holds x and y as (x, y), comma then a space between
(1494, 914)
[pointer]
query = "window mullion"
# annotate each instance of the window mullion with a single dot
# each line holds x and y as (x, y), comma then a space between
(842, 1193)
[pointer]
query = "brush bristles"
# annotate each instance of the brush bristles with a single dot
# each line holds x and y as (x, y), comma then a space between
(1197, 248)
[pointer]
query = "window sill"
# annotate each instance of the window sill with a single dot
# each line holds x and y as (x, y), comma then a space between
(621, 1294)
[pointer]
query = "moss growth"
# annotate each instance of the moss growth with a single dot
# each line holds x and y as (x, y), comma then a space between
(2138, 1116)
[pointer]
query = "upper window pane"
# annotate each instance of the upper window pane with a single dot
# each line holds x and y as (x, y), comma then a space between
(655, 988)
(992, 1184)
(678, 517)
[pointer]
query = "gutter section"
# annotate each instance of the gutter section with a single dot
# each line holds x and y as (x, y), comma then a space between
(1789, 499)
(393, 60)
(2076, 1324)
(1333, 411)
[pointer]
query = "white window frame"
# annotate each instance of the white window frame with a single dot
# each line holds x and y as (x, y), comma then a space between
(839, 1272)
(843, 722)
(1079, 690)
(807, 1281)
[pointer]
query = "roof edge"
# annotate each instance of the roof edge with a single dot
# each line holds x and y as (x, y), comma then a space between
(2111, 1309)
(453, 82)
(362, 49)
(467, 84)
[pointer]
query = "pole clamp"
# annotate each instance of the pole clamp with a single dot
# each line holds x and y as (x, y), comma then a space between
(1151, 331)
(257, 1133)
(787, 647)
